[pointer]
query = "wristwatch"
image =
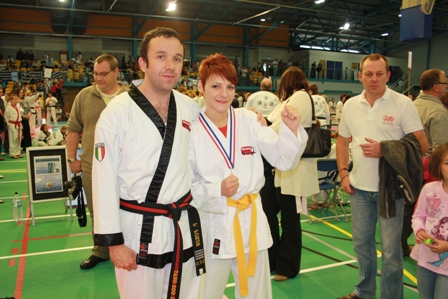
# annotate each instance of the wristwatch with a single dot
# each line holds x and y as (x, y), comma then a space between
(71, 160)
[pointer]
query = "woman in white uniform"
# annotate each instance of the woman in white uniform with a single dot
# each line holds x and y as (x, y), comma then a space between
(227, 170)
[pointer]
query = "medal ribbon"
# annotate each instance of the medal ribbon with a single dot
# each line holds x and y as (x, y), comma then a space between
(228, 157)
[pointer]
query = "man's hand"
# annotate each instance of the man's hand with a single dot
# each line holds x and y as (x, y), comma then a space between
(229, 185)
(123, 257)
(345, 184)
(371, 149)
(291, 118)
(260, 117)
(75, 166)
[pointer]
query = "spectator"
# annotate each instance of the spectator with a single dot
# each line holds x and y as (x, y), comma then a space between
(87, 107)
(393, 117)
(293, 186)
(25, 110)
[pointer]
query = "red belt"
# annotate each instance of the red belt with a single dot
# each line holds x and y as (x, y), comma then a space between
(17, 124)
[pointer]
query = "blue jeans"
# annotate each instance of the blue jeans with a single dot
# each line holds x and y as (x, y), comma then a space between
(365, 211)
(430, 284)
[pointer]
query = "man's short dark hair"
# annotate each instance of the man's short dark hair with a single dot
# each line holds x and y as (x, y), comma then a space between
(159, 31)
(429, 78)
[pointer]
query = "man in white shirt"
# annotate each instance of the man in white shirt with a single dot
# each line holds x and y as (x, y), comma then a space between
(375, 116)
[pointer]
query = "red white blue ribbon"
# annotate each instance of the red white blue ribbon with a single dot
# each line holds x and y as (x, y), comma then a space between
(229, 157)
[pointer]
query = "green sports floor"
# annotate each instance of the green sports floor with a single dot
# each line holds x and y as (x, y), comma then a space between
(42, 261)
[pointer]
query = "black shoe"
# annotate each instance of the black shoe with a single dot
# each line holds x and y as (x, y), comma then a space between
(350, 296)
(91, 262)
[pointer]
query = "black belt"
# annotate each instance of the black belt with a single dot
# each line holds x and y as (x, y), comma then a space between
(321, 117)
(178, 256)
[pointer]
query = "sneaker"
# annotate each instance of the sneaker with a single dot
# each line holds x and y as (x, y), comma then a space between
(1, 177)
(2, 153)
(350, 296)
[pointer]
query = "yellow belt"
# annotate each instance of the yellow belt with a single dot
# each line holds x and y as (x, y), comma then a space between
(243, 271)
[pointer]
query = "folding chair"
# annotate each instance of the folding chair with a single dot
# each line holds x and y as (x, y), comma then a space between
(330, 186)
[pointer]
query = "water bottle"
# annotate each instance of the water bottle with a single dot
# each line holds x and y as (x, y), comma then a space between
(17, 207)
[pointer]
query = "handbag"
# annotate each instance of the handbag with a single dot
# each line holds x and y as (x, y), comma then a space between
(319, 140)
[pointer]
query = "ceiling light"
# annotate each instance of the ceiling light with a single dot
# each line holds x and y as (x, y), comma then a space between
(319, 1)
(61, 0)
(171, 6)
(263, 19)
(346, 26)
(385, 34)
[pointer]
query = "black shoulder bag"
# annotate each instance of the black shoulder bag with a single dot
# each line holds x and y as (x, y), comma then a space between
(319, 140)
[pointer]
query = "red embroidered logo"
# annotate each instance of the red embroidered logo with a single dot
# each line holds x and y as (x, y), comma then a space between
(247, 150)
(216, 245)
(388, 119)
(143, 253)
(186, 125)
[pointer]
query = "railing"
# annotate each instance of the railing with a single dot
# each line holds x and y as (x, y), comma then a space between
(402, 85)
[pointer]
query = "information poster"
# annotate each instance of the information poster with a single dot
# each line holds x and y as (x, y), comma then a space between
(48, 174)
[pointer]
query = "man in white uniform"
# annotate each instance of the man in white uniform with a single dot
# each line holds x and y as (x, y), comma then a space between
(321, 108)
(141, 141)
(51, 102)
(264, 100)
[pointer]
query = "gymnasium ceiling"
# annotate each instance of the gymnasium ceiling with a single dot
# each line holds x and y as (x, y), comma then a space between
(309, 24)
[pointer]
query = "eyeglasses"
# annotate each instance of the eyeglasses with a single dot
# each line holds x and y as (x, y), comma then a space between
(442, 83)
(102, 75)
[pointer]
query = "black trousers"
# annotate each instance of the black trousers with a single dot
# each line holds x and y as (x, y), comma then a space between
(286, 252)
(26, 141)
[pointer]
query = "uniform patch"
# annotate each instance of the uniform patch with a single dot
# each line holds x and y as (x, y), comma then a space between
(216, 245)
(186, 125)
(100, 151)
(247, 150)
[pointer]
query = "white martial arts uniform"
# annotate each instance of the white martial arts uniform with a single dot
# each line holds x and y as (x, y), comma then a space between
(51, 110)
(32, 120)
(43, 139)
(13, 117)
(264, 101)
(209, 169)
(127, 151)
(60, 137)
(321, 110)
(38, 109)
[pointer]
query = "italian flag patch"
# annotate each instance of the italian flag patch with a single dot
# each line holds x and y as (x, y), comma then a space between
(100, 151)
